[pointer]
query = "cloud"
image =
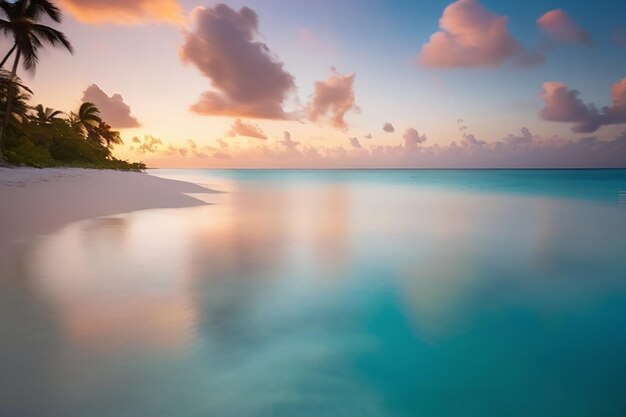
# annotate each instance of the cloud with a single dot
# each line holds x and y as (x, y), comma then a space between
(113, 109)
(193, 148)
(527, 150)
(288, 143)
(354, 142)
(388, 127)
(412, 138)
(149, 144)
(468, 140)
(248, 79)
(124, 12)
(562, 28)
(472, 36)
(521, 150)
(171, 150)
(153, 145)
(524, 138)
(333, 98)
(250, 130)
(368, 136)
(564, 105)
(616, 113)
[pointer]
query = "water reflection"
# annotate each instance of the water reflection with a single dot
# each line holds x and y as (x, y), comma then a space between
(328, 297)
(114, 286)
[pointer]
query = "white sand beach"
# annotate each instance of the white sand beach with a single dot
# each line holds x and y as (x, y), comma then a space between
(39, 201)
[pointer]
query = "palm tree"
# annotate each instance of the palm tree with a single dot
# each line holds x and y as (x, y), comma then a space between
(22, 24)
(106, 136)
(46, 116)
(103, 137)
(19, 106)
(23, 16)
(87, 118)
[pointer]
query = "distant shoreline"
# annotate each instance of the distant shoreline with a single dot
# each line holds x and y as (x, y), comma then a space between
(389, 169)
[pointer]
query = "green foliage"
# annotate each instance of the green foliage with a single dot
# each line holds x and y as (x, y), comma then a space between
(45, 115)
(26, 153)
(41, 138)
(21, 96)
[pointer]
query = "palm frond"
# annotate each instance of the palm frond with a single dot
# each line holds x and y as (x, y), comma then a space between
(52, 36)
(56, 113)
(88, 118)
(21, 96)
(37, 8)
(7, 8)
(23, 24)
(7, 28)
(7, 79)
(28, 50)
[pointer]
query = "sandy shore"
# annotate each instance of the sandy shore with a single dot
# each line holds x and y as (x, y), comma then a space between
(39, 201)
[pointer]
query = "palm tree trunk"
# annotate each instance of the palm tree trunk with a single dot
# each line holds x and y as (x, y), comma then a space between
(9, 104)
(6, 57)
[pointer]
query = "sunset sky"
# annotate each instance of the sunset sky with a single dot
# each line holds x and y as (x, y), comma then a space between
(268, 83)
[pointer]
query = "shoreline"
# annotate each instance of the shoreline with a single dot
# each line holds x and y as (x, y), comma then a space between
(39, 201)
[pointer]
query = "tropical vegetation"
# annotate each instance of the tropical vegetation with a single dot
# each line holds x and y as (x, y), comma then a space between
(37, 135)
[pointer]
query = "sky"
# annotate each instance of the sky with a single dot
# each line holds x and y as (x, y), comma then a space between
(348, 83)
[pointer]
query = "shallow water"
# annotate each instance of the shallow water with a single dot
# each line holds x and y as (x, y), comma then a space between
(329, 293)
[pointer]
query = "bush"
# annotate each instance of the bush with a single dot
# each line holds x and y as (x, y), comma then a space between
(26, 153)
(58, 144)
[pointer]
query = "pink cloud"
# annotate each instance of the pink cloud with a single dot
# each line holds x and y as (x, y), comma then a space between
(248, 79)
(354, 142)
(412, 138)
(333, 97)
(560, 27)
(193, 148)
(522, 150)
(124, 12)
(472, 36)
(113, 109)
(564, 105)
(174, 151)
(468, 140)
(247, 129)
(288, 143)
(616, 113)
(388, 127)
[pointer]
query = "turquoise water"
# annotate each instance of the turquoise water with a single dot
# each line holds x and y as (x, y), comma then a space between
(329, 293)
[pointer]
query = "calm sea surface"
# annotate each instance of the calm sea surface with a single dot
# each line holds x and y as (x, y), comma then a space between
(329, 293)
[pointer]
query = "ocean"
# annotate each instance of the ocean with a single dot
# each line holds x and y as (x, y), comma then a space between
(331, 293)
